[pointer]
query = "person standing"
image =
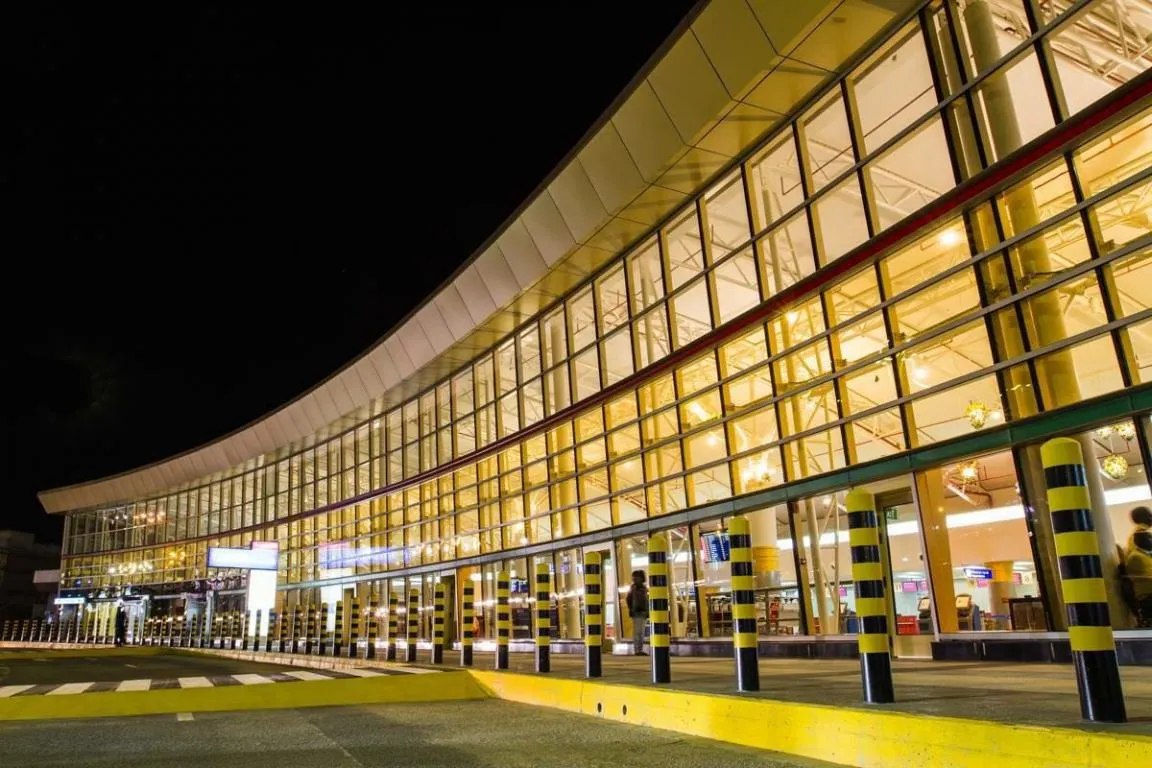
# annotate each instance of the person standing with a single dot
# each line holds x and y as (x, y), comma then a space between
(1138, 567)
(121, 626)
(637, 601)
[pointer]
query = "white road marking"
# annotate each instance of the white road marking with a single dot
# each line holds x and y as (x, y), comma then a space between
(184, 717)
(194, 682)
(131, 665)
(68, 688)
(134, 685)
(363, 672)
(12, 690)
(40, 659)
(415, 670)
(305, 675)
(253, 679)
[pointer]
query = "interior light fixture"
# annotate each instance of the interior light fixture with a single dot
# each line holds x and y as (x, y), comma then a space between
(977, 413)
(949, 238)
(1115, 466)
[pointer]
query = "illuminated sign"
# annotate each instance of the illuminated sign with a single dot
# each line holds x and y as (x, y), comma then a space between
(258, 559)
(977, 574)
(71, 600)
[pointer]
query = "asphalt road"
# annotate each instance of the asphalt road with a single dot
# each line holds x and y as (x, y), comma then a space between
(458, 734)
(51, 668)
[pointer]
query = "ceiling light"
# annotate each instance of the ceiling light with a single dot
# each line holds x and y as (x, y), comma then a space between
(949, 238)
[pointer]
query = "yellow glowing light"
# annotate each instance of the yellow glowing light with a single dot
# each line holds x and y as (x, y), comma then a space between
(1115, 466)
(977, 413)
(949, 238)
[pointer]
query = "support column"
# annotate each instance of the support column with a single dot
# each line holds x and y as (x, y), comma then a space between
(393, 640)
(871, 602)
(594, 615)
(744, 636)
(438, 623)
(372, 623)
(503, 620)
(660, 641)
(413, 624)
(353, 626)
(467, 623)
(338, 634)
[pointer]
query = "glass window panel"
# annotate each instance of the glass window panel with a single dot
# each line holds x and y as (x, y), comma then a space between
(910, 175)
(737, 288)
(796, 326)
(840, 221)
(462, 397)
(627, 474)
(647, 274)
(754, 430)
(591, 453)
(758, 471)
(1088, 369)
(664, 461)
(775, 179)
(797, 369)
(652, 341)
(532, 409)
(787, 254)
(873, 385)
(1116, 156)
(586, 373)
(1036, 199)
(946, 357)
(860, 340)
(582, 318)
(485, 383)
(589, 424)
(621, 410)
(947, 414)
(814, 455)
(827, 140)
(877, 436)
(1124, 217)
(685, 251)
(623, 440)
(850, 297)
(692, 317)
(554, 339)
(529, 354)
(1139, 340)
(506, 367)
(808, 410)
(1092, 51)
(697, 374)
(1063, 311)
(617, 356)
(1041, 257)
(1131, 282)
(743, 352)
(748, 389)
(893, 88)
(935, 305)
(613, 295)
(660, 426)
(981, 36)
(1012, 106)
(443, 405)
(726, 213)
(921, 261)
(701, 409)
(704, 447)
(556, 382)
(710, 485)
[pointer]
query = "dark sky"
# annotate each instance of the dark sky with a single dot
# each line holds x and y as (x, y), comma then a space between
(212, 208)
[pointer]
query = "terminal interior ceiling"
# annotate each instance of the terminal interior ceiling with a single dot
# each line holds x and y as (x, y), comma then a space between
(648, 391)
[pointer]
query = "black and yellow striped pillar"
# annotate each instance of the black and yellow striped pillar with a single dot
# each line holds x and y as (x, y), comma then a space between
(1082, 581)
(338, 634)
(5, 633)
(871, 599)
(354, 627)
(25, 630)
(322, 631)
(297, 622)
(393, 617)
(467, 621)
(281, 636)
(245, 628)
(593, 615)
(35, 638)
(413, 624)
(234, 629)
(182, 640)
(371, 626)
(273, 630)
(543, 614)
(196, 638)
(169, 631)
(256, 627)
(658, 602)
(438, 623)
(744, 636)
(503, 619)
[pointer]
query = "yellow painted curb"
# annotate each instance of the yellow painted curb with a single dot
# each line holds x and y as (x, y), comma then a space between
(868, 738)
(305, 693)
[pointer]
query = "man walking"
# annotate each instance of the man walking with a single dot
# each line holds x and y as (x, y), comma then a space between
(637, 601)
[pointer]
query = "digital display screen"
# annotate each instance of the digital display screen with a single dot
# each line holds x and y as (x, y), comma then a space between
(908, 586)
(250, 559)
(715, 547)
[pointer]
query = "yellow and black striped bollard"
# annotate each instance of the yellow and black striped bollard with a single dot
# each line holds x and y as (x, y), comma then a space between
(338, 634)
(354, 628)
(194, 631)
(744, 636)
(322, 642)
(216, 633)
(4, 633)
(233, 629)
(310, 630)
(1082, 581)
(297, 623)
(372, 620)
(413, 624)
(169, 628)
(871, 600)
(503, 619)
(543, 618)
(393, 637)
(254, 639)
(661, 640)
(35, 637)
(467, 620)
(438, 624)
(593, 616)
(275, 631)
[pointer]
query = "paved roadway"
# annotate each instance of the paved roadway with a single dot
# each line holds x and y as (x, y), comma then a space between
(453, 735)
(100, 665)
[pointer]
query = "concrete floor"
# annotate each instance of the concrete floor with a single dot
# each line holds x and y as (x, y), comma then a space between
(459, 735)
(96, 666)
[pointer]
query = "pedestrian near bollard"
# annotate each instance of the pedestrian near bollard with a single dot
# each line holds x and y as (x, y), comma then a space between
(354, 638)
(467, 620)
(871, 602)
(543, 618)
(744, 635)
(438, 624)
(393, 638)
(660, 640)
(372, 622)
(1082, 582)
(503, 619)
(413, 623)
(338, 635)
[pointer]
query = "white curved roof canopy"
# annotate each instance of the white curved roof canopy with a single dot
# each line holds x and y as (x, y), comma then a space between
(715, 88)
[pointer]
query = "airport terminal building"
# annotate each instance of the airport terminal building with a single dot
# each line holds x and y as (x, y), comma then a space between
(816, 246)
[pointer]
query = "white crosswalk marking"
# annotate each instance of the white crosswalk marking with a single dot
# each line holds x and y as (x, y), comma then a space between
(305, 675)
(134, 685)
(415, 670)
(184, 717)
(253, 679)
(363, 672)
(12, 690)
(194, 682)
(68, 688)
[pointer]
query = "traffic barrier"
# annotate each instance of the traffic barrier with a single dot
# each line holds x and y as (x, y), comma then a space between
(338, 634)
(438, 623)
(661, 639)
(275, 632)
(393, 638)
(871, 603)
(354, 630)
(413, 624)
(309, 630)
(5, 632)
(297, 622)
(1082, 582)
(593, 616)
(744, 635)
(34, 636)
(503, 619)
(543, 618)
(322, 641)
(372, 619)
(467, 621)
(169, 627)
(253, 630)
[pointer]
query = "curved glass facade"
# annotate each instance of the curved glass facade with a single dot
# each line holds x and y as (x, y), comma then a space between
(948, 241)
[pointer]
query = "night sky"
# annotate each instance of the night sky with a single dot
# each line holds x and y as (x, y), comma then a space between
(216, 207)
